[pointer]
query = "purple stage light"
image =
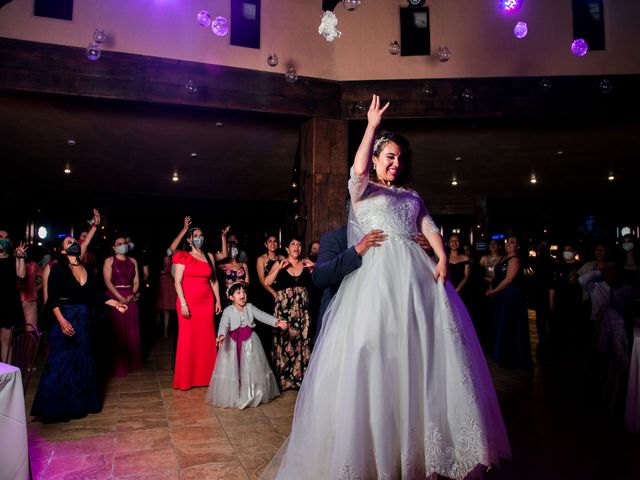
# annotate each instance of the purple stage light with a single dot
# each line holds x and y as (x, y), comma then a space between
(579, 47)
(509, 6)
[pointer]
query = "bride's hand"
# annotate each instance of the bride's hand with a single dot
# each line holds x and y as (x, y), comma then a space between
(374, 116)
(441, 272)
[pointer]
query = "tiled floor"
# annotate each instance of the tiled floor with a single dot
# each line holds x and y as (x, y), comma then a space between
(148, 430)
(558, 430)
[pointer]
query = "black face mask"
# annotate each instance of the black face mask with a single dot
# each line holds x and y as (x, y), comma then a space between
(73, 249)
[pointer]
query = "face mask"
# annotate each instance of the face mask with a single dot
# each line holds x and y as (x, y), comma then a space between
(4, 243)
(627, 246)
(122, 249)
(568, 256)
(130, 246)
(234, 252)
(169, 252)
(197, 242)
(73, 249)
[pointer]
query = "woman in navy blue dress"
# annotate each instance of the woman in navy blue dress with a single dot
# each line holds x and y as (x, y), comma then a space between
(68, 387)
(510, 321)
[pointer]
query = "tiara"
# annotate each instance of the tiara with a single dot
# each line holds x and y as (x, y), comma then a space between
(242, 284)
(379, 141)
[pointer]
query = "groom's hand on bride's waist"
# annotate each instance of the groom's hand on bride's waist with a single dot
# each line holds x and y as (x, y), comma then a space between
(372, 239)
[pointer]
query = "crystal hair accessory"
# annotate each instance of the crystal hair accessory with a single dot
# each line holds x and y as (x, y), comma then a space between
(234, 286)
(329, 26)
(377, 145)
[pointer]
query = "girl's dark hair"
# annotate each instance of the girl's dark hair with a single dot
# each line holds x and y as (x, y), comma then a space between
(382, 139)
(235, 287)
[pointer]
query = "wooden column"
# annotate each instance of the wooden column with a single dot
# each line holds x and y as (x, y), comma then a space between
(325, 169)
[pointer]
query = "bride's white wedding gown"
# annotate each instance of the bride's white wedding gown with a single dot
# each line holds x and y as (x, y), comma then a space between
(397, 386)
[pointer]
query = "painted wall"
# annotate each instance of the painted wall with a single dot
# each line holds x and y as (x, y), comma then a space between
(480, 38)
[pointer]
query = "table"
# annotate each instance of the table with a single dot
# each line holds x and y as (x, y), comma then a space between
(632, 408)
(14, 458)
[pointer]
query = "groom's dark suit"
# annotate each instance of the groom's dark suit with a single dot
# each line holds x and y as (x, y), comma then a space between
(335, 261)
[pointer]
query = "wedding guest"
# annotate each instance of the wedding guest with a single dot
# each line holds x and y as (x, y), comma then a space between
(12, 268)
(511, 344)
(198, 300)
(242, 376)
(122, 279)
(68, 387)
(291, 278)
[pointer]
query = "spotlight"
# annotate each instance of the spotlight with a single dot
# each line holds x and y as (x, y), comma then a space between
(533, 179)
(415, 3)
(509, 6)
(67, 169)
(454, 181)
(175, 177)
(611, 177)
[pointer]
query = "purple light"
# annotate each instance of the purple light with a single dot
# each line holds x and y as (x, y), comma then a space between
(579, 47)
(220, 26)
(204, 19)
(509, 6)
(520, 30)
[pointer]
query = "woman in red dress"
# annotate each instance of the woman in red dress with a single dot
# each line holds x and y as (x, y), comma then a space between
(198, 299)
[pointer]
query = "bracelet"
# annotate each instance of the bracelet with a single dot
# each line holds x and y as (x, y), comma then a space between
(183, 304)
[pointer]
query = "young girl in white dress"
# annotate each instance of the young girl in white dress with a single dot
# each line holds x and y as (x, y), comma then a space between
(397, 387)
(242, 376)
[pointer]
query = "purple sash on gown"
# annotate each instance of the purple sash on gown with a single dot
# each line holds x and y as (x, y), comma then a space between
(240, 335)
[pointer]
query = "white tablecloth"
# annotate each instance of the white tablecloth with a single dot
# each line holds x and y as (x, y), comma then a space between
(632, 410)
(14, 460)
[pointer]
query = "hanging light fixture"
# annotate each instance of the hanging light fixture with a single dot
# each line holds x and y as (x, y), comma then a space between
(351, 5)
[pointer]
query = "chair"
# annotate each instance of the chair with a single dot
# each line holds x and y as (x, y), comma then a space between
(23, 349)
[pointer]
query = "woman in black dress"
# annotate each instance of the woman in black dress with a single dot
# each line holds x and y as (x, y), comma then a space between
(459, 268)
(291, 279)
(12, 267)
(512, 346)
(68, 387)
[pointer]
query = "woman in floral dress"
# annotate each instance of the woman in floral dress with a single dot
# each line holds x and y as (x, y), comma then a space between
(291, 279)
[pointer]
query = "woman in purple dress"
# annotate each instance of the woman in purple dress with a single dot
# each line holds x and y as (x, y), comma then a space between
(122, 281)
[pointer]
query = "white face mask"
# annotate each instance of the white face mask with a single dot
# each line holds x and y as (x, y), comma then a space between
(234, 252)
(627, 246)
(568, 256)
(122, 249)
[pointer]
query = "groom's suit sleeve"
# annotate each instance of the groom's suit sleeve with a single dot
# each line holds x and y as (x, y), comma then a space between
(335, 261)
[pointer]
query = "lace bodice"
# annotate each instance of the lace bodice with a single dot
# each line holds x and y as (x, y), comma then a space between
(395, 210)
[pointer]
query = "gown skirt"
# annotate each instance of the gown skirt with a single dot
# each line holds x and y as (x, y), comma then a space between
(397, 386)
(242, 384)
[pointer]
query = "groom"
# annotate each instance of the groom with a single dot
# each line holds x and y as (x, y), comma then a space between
(335, 261)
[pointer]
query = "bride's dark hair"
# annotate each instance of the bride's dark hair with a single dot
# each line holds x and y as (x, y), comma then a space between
(382, 139)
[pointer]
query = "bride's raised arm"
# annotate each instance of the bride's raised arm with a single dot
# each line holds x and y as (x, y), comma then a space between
(362, 162)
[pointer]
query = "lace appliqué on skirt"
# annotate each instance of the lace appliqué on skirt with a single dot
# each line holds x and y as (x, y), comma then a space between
(455, 461)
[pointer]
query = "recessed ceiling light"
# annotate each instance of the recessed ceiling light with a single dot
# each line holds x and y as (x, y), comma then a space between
(194, 154)
(71, 142)
(175, 177)
(219, 124)
(533, 179)
(611, 177)
(458, 159)
(454, 181)
(560, 152)
(67, 169)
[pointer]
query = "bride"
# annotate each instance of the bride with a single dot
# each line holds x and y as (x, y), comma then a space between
(397, 387)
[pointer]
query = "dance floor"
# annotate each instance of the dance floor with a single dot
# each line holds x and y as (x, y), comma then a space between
(147, 430)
